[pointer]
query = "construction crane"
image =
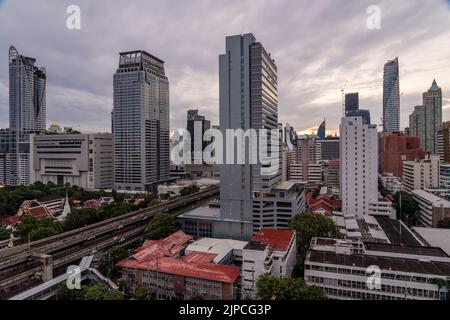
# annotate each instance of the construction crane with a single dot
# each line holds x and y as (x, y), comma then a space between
(343, 98)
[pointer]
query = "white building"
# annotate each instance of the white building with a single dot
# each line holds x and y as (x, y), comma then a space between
(421, 174)
(359, 166)
(432, 208)
(276, 208)
(341, 269)
(84, 160)
(391, 182)
(269, 252)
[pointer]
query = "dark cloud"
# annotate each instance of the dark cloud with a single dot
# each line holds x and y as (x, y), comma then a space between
(318, 46)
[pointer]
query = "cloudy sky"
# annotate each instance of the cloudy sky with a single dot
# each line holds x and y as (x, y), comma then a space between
(319, 46)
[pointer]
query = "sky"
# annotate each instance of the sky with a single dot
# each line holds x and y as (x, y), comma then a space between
(320, 47)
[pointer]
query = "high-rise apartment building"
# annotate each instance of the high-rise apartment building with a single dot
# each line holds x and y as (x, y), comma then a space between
(391, 97)
(27, 114)
(359, 166)
(140, 122)
(308, 151)
(444, 142)
(248, 100)
(426, 120)
(351, 101)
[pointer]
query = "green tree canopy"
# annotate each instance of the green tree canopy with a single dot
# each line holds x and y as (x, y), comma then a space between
(309, 225)
(88, 292)
(410, 207)
(444, 223)
(37, 228)
(162, 225)
(4, 233)
(275, 288)
(107, 265)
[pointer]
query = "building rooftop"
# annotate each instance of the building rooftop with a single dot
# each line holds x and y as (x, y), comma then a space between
(431, 198)
(385, 263)
(276, 239)
(221, 248)
(391, 228)
(207, 213)
(167, 247)
(186, 268)
(435, 237)
(405, 249)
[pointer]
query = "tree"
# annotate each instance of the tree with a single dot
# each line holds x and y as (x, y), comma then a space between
(189, 190)
(4, 233)
(32, 228)
(275, 288)
(141, 293)
(107, 265)
(162, 225)
(444, 223)
(310, 225)
(410, 207)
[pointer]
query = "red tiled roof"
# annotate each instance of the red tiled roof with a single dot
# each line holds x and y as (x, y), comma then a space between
(91, 204)
(322, 206)
(39, 212)
(277, 239)
(10, 221)
(167, 247)
(322, 198)
(207, 271)
(199, 257)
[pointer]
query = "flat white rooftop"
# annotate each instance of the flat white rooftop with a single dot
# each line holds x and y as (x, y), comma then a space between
(435, 237)
(221, 247)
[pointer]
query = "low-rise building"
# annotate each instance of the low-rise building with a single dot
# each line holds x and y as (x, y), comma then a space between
(268, 252)
(432, 208)
(421, 174)
(391, 182)
(346, 270)
(162, 268)
(84, 160)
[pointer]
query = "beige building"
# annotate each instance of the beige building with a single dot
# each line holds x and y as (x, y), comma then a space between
(421, 174)
(84, 160)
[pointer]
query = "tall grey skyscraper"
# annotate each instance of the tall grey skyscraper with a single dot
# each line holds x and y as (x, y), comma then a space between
(391, 97)
(27, 114)
(248, 100)
(140, 122)
(197, 143)
(426, 120)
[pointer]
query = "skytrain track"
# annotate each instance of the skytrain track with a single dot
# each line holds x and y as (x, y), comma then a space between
(17, 264)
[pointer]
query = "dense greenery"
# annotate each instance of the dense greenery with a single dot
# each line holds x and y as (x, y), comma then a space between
(31, 228)
(410, 208)
(141, 293)
(12, 197)
(88, 292)
(310, 225)
(162, 225)
(4, 233)
(189, 190)
(275, 288)
(107, 265)
(444, 223)
(381, 189)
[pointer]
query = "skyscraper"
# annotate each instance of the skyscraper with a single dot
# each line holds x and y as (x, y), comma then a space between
(351, 101)
(248, 100)
(27, 113)
(321, 132)
(359, 166)
(391, 97)
(141, 122)
(197, 143)
(426, 120)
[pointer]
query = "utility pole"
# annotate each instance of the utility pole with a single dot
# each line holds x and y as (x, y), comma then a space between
(400, 221)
